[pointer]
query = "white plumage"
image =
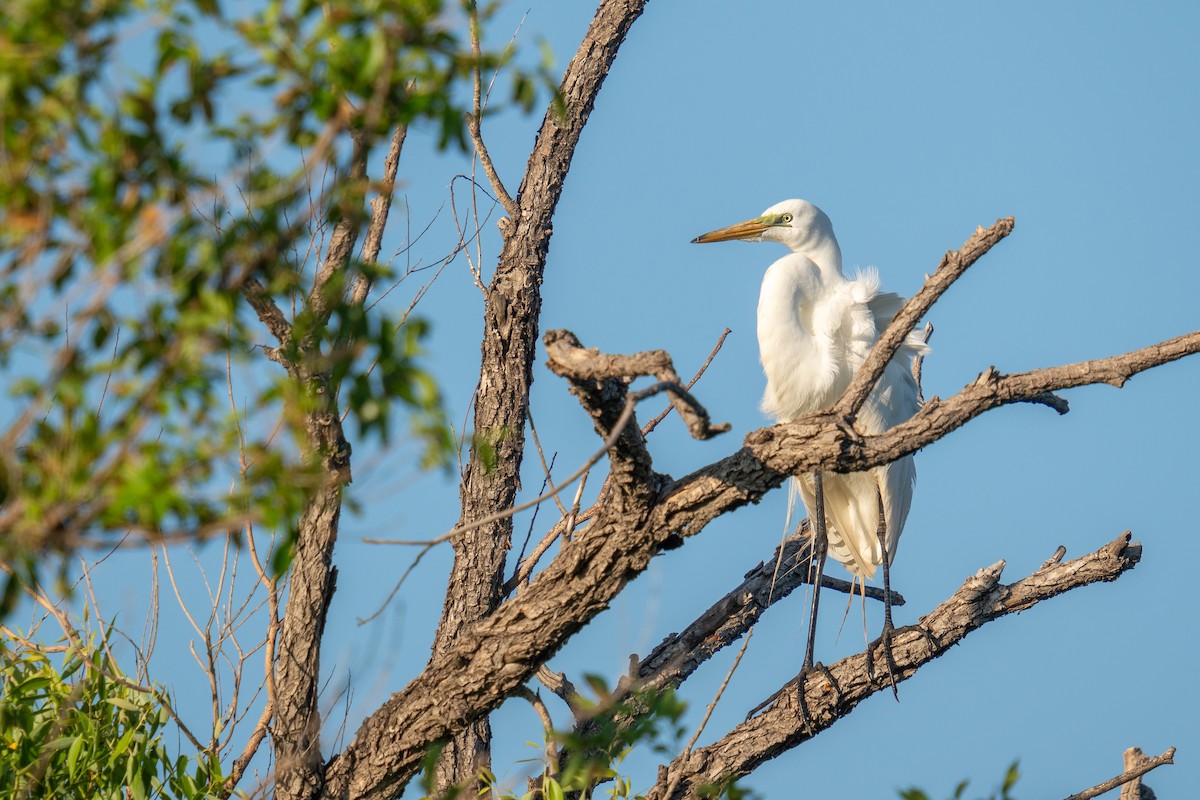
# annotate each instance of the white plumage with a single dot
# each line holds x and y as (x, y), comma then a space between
(815, 329)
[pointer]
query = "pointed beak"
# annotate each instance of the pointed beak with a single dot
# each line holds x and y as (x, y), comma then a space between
(749, 229)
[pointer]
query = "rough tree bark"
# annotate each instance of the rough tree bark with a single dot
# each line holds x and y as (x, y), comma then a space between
(510, 322)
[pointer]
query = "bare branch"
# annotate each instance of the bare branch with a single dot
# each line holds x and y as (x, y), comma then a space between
(268, 312)
(473, 120)
(567, 524)
(1137, 765)
(380, 208)
(680, 654)
(570, 359)
(345, 232)
(543, 713)
(951, 268)
(832, 694)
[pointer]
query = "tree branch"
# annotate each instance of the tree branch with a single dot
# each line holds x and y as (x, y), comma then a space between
(951, 268)
(474, 119)
(345, 232)
(824, 442)
(680, 654)
(1137, 765)
(580, 365)
(381, 206)
(510, 328)
(268, 312)
(830, 695)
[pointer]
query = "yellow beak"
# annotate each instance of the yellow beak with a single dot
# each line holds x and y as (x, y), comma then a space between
(743, 230)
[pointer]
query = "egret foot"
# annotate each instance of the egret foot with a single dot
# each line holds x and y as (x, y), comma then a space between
(802, 702)
(884, 640)
(934, 645)
(770, 701)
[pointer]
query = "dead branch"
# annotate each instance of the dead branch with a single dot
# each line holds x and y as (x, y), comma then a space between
(951, 268)
(680, 654)
(825, 442)
(474, 119)
(832, 694)
(566, 525)
(570, 359)
(1137, 764)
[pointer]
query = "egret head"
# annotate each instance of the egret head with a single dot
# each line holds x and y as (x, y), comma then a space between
(797, 224)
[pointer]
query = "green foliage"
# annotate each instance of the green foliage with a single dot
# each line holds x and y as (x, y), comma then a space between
(960, 791)
(75, 731)
(158, 161)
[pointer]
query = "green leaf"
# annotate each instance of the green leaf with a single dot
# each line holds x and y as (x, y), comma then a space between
(121, 702)
(551, 789)
(121, 746)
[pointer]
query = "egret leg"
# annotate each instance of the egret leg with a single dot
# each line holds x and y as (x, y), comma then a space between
(820, 548)
(885, 638)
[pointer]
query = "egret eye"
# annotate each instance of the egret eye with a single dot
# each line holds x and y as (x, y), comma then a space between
(787, 217)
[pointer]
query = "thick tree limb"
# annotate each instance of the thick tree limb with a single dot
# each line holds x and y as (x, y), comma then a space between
(296, 731)
(510, 329)
(830, 696)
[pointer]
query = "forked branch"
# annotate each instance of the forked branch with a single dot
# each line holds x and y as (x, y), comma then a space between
(951, 268)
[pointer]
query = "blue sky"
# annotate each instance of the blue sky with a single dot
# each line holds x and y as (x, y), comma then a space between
(910, 126)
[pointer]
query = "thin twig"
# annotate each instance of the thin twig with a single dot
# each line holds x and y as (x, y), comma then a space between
(687, 751)
(543, 713)
(473, 120)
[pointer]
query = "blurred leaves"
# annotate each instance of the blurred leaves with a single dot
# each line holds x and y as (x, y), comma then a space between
(158, 158)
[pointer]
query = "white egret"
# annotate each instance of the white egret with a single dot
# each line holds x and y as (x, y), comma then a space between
(815, 329)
